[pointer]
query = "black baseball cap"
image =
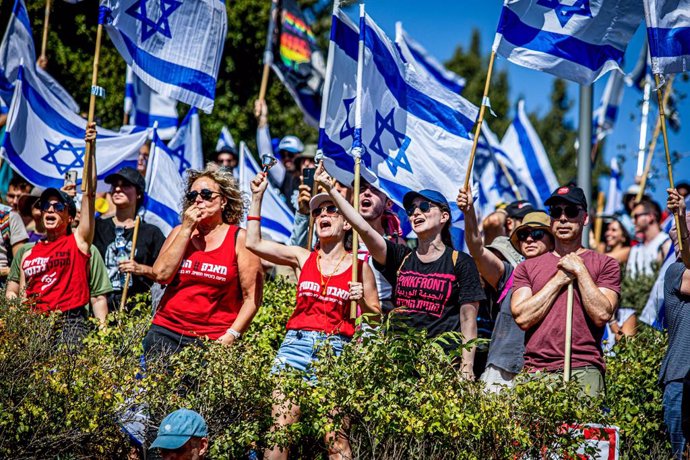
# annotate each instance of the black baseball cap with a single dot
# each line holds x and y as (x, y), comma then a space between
(569, 194)
(227, 149)
(519, 209)
(62, 198)
(130, 175)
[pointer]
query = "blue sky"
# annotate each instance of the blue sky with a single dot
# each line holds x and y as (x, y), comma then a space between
(440, 26)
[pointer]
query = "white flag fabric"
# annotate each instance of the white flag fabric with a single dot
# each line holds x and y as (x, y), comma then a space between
(225, 139)
(146, 107)
(165, 188)
(174, 47)
(606, 114)
(614, 197)
(185, 148)
(526, 152)
(17, 48)
(44, 140)
(414, 131)
(276, 218)
(578, 41)
(668, 32)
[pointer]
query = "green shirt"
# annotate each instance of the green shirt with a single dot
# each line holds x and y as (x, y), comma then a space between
(99, 283)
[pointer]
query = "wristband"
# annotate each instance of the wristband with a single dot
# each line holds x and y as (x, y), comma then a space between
(234, 333)
(256, 218)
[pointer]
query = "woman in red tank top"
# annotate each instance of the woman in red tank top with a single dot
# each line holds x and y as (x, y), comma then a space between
(324, 291)
(214, 284)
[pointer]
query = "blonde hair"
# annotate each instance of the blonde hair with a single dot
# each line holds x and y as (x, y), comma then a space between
(236, 201)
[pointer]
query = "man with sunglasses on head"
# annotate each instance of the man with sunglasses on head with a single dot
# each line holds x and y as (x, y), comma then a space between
(540, 289)
(655, 243)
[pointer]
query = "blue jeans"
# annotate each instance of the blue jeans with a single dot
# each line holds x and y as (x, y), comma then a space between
(300, 348)
(673, 416)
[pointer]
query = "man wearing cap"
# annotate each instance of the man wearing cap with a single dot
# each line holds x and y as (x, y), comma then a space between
(114, 235)
(182, 435)
(228, 159)
(539, 300)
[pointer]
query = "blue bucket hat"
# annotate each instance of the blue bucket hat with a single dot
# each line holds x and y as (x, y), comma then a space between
(431, 195)
(178, 427)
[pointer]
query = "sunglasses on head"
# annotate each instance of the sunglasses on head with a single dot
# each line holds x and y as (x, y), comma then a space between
(423, 206)
(330, 209)
(571, 211)
(536, 234)
(205, 194)
(57, 206)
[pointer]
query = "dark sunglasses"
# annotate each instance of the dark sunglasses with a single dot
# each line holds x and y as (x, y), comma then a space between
(571, 211)
(536, 234)
(57, 206)
(330, 210)
(639, 214)
(423, 206)
(206, 195)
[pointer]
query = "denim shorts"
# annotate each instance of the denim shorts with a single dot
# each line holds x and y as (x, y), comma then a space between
(300, 348)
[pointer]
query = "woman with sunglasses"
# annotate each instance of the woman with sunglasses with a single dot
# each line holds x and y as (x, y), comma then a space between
(214, 284)
(435, 288)
(324, 292)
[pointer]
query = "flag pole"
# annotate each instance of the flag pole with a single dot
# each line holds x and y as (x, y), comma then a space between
(568, 333)
(511, 181)
(598, 223)
(643, 125)
(482, 109)
(46, 23)
(669, 167)
(268, 51)
(125, 288)
(652, 143)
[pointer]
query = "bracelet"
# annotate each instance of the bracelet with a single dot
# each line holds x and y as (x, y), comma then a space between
(234, 333)
(256, 218)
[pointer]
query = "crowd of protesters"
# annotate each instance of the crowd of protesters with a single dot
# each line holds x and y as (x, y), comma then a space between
(206, 277)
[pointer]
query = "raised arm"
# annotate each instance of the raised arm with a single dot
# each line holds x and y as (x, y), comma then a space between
(375, 242)
(293, 256)
(490, 266)
(528, 309)
(87, 218)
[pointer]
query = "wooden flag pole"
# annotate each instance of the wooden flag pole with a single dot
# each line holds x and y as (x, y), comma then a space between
(355, 235)
(125, 288)
(46, 23)
(85, 183)
(478, 128)
(598, 223)
(268, 51)
(652, 143)
(662, 118)
(568, 333)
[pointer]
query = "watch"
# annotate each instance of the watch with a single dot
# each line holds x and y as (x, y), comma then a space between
(234, 333)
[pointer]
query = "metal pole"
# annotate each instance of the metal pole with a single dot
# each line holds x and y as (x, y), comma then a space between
(584, 161)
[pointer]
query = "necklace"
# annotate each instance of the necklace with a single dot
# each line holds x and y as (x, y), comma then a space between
(324, 284)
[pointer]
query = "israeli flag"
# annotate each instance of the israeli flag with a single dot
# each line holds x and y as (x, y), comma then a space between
(225, 140)
(276, 218)
(174, 47)
(146, 107)
(578, 41)
(414, 131)
(185, 148)
(668, 32)
(164, 188)
(614, 197)
(523, 146)
(605, 115)
(44, 139)
(17, 49)
(450, 80)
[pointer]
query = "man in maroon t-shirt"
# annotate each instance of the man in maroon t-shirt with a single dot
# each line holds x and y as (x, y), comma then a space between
(540, 296)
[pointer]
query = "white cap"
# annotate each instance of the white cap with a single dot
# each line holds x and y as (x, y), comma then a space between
(291, 144)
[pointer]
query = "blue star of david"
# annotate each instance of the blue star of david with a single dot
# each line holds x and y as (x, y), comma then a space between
(402, 142)
(150, 27)
(73, 160)
(565, 12)
(178, 153)
(347, 130)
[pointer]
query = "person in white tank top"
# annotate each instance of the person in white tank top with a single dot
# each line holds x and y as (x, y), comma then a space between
(655, 244)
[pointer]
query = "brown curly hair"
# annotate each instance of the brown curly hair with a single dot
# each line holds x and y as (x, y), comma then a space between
(233, 211)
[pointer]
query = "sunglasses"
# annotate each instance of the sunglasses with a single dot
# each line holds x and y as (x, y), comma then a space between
(536, 234)
(206, 195)
(571, 211)
(330, 210)
(57, 206)
(423, 206)
(639, 214)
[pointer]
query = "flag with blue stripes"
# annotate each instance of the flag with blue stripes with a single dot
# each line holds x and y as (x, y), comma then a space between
(18, 46)
(174, 47)
(145, 107)
(225, 140)
(447, 78)
(44, 139)
(578, 41)
(606, 114)
(526, 152)
(668, 33)
(276, 218)
(165, 187)
(614, 195)
(185, 147)
(415, 132)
